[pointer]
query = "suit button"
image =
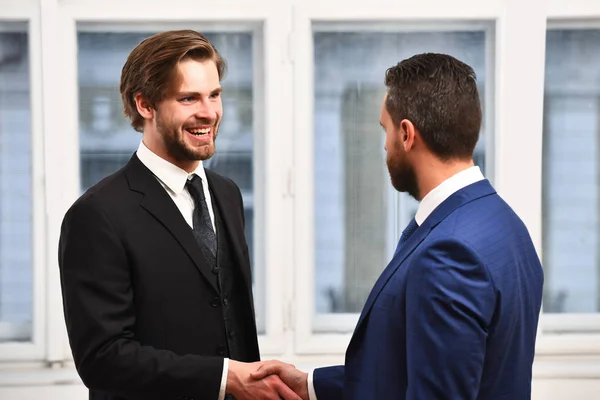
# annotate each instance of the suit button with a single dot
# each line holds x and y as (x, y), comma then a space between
(215, 302)
(231, 335)
(215, 270)
(225, 301)
(220, 350)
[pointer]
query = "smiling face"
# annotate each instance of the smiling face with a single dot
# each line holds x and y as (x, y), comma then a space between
(183, 127)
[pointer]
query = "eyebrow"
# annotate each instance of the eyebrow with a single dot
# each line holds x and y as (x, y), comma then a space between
(198, 94)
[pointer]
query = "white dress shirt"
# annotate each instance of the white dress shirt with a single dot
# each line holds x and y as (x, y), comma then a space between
(429, 203)
(446, 189)
(173, 179)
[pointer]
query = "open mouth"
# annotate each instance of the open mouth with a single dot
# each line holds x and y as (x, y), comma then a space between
(199, 131)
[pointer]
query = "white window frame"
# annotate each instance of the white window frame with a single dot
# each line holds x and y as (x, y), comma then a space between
(271, 187)
(28, 13)
(572, 323)
(55, 140)
(345, 322)
(510, 22)
(570, 334)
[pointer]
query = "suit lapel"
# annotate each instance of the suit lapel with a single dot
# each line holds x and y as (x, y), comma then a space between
(458, 199)
(233, 227)
(158, 203)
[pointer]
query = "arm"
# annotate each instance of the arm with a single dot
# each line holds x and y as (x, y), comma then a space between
(98, 302)
(449, 307)
(329, 382)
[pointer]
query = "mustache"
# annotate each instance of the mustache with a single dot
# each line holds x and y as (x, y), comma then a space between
(202, 121)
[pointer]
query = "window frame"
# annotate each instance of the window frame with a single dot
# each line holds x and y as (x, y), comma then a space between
(269, 77)
(27, 13)
(499, 107)
(53, 28)
(571, 333)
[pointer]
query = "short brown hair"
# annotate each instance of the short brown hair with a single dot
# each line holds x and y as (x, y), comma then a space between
(151, 64)
(439, 95)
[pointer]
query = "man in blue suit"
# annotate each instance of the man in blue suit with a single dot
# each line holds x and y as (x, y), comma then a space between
(454, 315)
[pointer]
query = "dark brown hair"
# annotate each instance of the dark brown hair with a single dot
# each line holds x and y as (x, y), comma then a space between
(150, 67)
(438, 94)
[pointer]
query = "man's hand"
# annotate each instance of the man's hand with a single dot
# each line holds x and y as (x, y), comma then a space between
(295, 379)
(243, 387)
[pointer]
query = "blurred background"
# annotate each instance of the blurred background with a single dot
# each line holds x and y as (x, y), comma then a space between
(301, 138)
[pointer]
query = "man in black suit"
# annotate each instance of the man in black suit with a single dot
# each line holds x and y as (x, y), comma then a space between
(154, 265)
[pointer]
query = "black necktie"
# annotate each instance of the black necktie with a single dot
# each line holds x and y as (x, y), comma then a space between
(203, 229)
(406, 233)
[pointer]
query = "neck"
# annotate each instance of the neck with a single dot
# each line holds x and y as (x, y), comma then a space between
(435, 171)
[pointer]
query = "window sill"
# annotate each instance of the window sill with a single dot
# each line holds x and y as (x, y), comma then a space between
(566, 367)
(544, 367)
(19, 375)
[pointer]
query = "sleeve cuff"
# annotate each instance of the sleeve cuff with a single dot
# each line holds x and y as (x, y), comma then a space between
(224, 379)
(312, 395)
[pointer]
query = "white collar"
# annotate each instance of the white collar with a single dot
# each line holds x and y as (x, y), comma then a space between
(173, 177)
(446, 189)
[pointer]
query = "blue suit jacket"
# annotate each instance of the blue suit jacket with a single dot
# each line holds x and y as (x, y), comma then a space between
(453, 316)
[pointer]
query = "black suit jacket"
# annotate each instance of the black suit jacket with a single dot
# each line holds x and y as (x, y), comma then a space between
(141, 304)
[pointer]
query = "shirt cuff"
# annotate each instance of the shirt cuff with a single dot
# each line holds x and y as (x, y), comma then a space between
(224, 379)
(312, 395)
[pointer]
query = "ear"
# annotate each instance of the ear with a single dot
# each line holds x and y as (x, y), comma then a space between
(143, 107)
(407, 134)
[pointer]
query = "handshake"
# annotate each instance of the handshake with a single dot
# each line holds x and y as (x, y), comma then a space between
(269, 380)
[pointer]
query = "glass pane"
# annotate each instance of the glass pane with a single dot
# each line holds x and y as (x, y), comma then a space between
(15, 186)
(107, 141)
(571, 172)
(357, 211)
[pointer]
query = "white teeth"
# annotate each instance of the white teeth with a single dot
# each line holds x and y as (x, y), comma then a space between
(199, 131)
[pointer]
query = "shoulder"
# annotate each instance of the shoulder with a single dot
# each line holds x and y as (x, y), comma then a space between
(220, 180)
(224, 185)
(100, 198)
(478, 223)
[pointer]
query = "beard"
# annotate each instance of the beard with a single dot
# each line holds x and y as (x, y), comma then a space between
(174, 140)
(403, 176)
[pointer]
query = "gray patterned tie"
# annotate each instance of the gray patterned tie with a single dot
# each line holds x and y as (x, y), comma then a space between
(203, 229)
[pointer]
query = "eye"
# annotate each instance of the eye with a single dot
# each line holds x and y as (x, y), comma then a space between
(187, 99)
(215, 95)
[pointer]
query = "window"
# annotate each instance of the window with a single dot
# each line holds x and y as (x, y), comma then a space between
(107, 140)
(16, 203)
(358, 215)
(571, 172)
(301, 103)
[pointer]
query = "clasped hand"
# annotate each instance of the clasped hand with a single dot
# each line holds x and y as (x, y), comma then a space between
(268, 380)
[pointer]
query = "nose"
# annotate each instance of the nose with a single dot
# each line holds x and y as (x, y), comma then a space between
(206, 110)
